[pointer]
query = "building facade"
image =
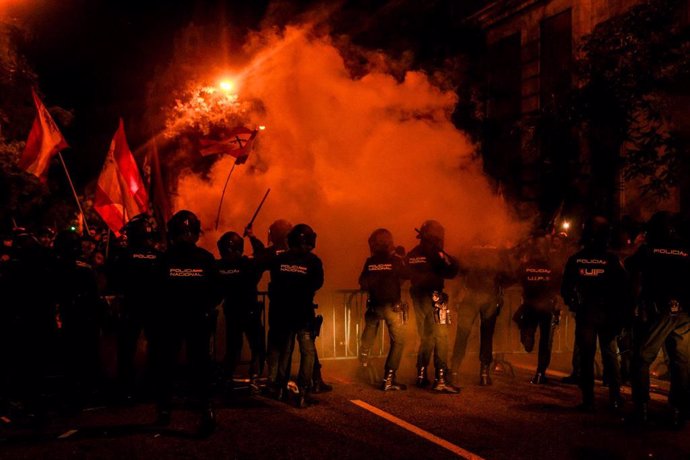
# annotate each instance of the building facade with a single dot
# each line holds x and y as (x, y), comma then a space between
(532, 51)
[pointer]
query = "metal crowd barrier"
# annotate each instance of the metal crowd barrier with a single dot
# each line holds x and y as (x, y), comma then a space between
(344, 323)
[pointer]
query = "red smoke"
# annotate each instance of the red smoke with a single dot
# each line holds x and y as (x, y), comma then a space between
(348, 156)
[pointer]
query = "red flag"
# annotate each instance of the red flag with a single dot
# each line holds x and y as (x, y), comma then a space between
(45, 140)
(236, 142)
(120, 192)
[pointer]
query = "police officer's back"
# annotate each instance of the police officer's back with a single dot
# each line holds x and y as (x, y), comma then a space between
(595, 287)
(80, 311)
(296, 275)
(132, 277)
(381, 277)
(238, 277)
(429, 266)
(540, 282)
(661, 270)
(190, 293)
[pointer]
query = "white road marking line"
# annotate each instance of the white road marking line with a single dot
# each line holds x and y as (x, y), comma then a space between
(416, 430)
(67, 434)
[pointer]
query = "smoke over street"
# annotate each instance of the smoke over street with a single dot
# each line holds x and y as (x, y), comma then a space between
(348, 155)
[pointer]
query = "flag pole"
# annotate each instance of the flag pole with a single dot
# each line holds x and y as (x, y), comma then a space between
(76, 197)
(222, 196)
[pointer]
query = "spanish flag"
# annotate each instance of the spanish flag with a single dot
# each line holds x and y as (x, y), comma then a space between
(45, 140)
(120, 192)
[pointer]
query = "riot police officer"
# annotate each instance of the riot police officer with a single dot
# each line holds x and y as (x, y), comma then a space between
(239, 276)
(190, 293)
(485, 271)
(28, 328)
(296, 275)
(661, 270)
(278, 240)
(381, 277)
(133, 272)
(429, 265)
(278, 244)
(540, 286)
(80, 311)
(595, 287)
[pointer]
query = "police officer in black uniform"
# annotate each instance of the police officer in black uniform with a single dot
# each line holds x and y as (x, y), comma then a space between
(296, 275)
(485, 270)
(133, 274)
(28, 326)
(429, 265)
(596, 288)
(190, 293)
(239, 276)
(661, 270)
(277, 238)
(540, 282)
(381, 277)
(80, 311)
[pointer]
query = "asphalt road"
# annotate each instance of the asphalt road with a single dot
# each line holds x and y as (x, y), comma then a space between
(510, 420)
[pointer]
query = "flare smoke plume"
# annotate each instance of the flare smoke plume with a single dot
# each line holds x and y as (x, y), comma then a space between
(347, 156)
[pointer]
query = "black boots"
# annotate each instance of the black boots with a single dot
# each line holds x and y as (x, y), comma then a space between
(571, 379)
(677, 418)
(485, 375)
(207, 424)
(319, 385)
(641, 413)
(539, 379)
(422, 379)
(304, 399)
(441, 385)
(389, 383)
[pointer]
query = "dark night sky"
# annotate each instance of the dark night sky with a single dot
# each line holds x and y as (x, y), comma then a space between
(96, 57)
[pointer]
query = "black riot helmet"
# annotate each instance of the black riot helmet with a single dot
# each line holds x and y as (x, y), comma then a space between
(662, 228)
(67, 245)
(381, 241)
(278, 233)
(184, 226)
(302, 236)
(537, 246)
(22, 239)
(140, 231)
(432, 232)
(596, 232)
(230, 244)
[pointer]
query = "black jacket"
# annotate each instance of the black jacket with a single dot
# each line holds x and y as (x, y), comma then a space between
(382, 276)
(662, 272)
(594, 281)
(189, 281)
(428, 269)
(295, 278)
(238, 281)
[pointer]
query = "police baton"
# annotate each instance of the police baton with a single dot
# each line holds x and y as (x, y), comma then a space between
(256, 213)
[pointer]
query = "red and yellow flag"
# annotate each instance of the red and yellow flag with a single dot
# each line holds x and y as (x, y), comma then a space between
(45, 140)
(120, 192)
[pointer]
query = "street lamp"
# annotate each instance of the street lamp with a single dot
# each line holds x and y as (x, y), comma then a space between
(226, 85)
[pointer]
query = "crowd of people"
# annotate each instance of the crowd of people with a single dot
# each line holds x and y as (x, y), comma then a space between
(59, 296)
